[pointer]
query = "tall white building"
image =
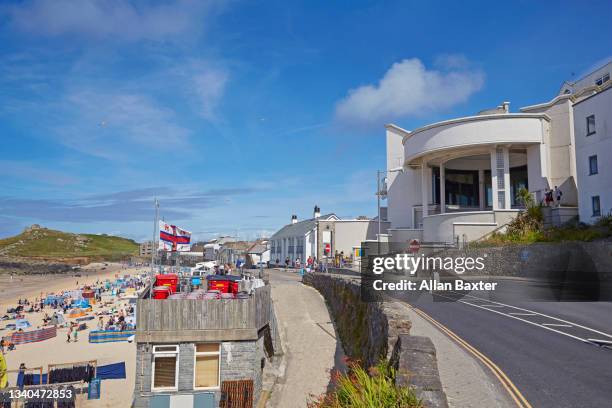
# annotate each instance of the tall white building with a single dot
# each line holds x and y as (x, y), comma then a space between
(593, 133)
(459, 178)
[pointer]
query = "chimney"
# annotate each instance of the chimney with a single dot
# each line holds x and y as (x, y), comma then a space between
(317, 211)
(506, 107)
(294, 219)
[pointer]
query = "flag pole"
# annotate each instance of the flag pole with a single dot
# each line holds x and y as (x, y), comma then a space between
(155, 242)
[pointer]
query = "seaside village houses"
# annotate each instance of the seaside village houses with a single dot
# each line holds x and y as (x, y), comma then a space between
(457, 180)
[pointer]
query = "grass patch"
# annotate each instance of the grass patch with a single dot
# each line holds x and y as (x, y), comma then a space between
(47, 243)
(361, 389)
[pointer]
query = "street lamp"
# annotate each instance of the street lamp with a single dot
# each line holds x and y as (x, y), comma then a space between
(380, 194)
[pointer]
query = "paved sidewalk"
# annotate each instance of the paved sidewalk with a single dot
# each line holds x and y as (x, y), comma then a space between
(467, 383)
(308, 339)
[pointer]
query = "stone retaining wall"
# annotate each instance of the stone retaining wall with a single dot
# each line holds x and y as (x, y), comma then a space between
(374, 330)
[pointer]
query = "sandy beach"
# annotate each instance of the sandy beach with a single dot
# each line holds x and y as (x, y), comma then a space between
(115, 393)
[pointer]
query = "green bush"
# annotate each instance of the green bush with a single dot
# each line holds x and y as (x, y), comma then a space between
(360, 389)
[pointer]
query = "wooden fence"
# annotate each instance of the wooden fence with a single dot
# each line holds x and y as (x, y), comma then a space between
(204, 314)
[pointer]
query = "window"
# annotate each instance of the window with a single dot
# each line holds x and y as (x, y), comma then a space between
(596, 206)
(165, 367)
(207, 359)
(602, 80)
(590, 122)
(592, 165)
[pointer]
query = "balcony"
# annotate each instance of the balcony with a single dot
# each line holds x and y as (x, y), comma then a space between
(466, 135)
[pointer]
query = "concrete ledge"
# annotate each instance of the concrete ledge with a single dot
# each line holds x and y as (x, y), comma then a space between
(414, 358)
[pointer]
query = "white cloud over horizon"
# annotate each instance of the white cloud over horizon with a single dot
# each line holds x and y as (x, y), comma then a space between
(122, 19)
(408, 88)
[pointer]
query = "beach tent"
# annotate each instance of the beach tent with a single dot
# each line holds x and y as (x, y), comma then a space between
(83, 304)
(75, 312)
(57, 319)
(22, 324)
(53, 298)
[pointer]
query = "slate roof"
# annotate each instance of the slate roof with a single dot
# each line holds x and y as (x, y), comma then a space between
(300, 228)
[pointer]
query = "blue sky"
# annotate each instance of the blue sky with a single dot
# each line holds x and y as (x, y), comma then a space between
(237, 114)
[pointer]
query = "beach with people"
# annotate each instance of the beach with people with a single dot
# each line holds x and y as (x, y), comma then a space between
(54, 316)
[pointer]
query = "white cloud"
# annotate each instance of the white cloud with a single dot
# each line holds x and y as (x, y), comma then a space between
(30, 171)
(209, 88)
(409, 88)
(109, 19)
(114, 125)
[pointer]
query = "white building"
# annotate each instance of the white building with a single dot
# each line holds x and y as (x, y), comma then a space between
(212, 248)
(593, 133)
(457, 180)
(322, 236)
(298, 240)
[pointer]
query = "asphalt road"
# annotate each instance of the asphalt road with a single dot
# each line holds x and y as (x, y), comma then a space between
(539, 345)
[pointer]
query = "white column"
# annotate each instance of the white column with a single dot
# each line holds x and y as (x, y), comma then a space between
(508, 199)
(425, 188)
(494, 179)
(481, 189)
(442, 188)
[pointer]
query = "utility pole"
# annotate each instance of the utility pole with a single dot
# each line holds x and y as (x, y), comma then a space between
(154, 242)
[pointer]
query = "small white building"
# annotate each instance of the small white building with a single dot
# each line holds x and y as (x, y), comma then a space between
(457, 180)
(298, 240)
(322, 236)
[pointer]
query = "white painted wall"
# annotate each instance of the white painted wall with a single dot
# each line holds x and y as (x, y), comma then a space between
(403, 189)
(599, 144)
(351, 233)
(474, 131)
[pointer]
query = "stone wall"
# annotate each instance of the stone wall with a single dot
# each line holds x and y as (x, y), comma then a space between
(240, 360)
(542, 259)
(370, 331)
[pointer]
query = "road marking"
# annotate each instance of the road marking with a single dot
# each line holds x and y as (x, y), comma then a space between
(540, 314)
(508, 385)
(557, 325)
(492, 306)
(522, 320)
(522, 314)
(599, 341)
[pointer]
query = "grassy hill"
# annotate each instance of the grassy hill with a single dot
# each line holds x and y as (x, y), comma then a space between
(46, 244)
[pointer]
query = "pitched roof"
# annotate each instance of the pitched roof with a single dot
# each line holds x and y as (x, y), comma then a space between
(301, 228)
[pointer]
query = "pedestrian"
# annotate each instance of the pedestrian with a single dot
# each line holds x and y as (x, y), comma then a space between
(68, 335)
(2, 346)
(558, 195)
(76, 333)
(548, 197)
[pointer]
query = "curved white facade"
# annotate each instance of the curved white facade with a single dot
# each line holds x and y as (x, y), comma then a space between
(474, 132)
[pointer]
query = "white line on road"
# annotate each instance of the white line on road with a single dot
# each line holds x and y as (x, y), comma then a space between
(556, 325)
(522, 314)
(545, 315)
(527, 321)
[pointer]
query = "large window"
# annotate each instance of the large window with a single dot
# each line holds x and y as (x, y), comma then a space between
(596, 206)
(207, 368)
(592, 165)
(590, 124)
(165, 368)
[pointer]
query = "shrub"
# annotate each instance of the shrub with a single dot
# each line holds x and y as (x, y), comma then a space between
(360, 389)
